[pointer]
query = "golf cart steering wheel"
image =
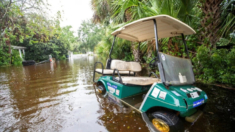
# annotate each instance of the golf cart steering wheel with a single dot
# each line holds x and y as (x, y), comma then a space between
(153, 63)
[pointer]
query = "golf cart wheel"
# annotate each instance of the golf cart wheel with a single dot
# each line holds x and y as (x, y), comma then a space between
(165, 121)
(101, 89)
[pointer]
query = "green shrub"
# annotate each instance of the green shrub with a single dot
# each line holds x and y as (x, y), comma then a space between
(62, 57)
(15, 58)
(4, 56)
(215, 66)
(40, 51)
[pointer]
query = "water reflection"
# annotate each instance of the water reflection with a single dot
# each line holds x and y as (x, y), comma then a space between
(52, 97)
(61, 97)
(115, 116)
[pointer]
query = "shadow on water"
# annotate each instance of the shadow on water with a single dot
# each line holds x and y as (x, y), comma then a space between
(61, 97)
(219, 113)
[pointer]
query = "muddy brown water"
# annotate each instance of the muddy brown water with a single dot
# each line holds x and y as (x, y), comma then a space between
(62, 97)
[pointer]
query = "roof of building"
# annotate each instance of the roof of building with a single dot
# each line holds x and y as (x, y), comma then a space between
(18, 47)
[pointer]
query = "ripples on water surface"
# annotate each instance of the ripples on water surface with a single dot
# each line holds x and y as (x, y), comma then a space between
(58, 97)
(62, 97)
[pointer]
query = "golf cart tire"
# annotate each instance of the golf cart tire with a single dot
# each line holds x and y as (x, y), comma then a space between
(102, 89)
(171, 119)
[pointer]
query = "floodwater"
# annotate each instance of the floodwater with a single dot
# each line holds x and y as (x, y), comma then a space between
(62, 97)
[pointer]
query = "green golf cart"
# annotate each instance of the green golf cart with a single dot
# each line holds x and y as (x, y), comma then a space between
(163, 102)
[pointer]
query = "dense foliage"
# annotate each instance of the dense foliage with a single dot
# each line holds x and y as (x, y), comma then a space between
(41, 51)
(88, 36)
(4, 56)
(24, 23)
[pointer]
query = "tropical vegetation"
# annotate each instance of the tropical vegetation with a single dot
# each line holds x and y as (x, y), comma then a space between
(25, 23)
(88, 36)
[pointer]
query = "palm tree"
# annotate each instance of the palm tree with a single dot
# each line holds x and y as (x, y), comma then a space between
(128, 10)
(102, 11)
(228, 17)
(211, 11)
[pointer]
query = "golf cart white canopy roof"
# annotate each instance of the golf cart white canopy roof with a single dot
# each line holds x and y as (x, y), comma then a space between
(143, 29)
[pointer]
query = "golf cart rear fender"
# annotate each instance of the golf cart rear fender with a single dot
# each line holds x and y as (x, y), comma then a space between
(101, 82)
(159, 96)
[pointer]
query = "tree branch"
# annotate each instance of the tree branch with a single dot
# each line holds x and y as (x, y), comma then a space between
(7, 9)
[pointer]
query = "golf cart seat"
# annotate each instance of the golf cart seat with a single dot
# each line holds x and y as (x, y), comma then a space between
(119, 66)
(110, 71)
(143, 81)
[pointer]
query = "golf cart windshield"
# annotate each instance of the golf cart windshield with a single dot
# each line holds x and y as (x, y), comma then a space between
(177, 71)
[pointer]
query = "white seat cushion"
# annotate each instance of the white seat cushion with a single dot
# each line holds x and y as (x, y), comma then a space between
(143, 81)
(126, 66)
(110, 72)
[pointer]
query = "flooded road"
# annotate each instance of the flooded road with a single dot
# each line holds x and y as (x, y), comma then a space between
(62, 97)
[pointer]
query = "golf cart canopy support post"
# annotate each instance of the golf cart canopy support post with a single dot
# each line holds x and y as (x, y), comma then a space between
(112, 47)
(156, 37)
(162, 75)
(110, 59)
(139, 50)
(185, 46)
(139, 53)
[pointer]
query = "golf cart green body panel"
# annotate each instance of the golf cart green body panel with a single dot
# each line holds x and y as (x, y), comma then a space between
(119, 90)
(159, 96)
(192, 102)
(186, 91)
(174, 98)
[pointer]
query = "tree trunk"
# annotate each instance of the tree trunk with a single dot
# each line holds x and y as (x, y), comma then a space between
(210, 22)
(8, 43)
(136, 52)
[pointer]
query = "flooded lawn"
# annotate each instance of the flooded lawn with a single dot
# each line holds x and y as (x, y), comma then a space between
(62, 97)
